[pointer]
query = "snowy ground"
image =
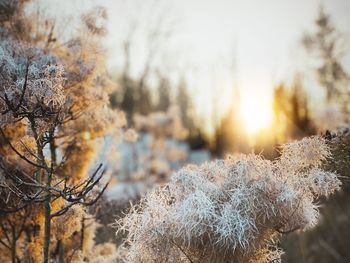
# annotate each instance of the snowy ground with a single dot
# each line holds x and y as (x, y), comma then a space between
(141, 165)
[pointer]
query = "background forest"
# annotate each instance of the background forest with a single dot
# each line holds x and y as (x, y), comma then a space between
(121, 143)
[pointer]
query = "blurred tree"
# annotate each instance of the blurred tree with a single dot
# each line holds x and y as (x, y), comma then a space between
(299, 107)
(228, 135)
(184, 102)
(163, 91)
(291, 111)
(326, 45)
(225, 135)
(128, 101)
(134, 93)
(196, 137)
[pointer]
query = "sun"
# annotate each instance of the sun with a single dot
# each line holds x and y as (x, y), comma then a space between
(256, 114)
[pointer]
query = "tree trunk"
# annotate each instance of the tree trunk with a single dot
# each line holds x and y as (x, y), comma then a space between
(47, 226)
(82, 234)
(13, 245)
(47, 203)
(60, 251)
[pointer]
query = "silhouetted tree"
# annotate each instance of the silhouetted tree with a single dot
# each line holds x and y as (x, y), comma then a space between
(326, 46)
(291, 111)
(164, 99)
(183, 100)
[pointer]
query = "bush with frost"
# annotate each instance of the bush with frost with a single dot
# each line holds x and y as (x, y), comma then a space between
(230, 210)
(54, 112)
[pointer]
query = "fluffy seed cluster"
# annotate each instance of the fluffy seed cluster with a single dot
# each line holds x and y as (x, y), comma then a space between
(230, 210)
(30, 76)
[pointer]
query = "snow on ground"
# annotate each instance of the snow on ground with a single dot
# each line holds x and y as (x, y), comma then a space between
(145, 163)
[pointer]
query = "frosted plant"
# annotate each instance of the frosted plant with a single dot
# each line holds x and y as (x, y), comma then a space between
(230, 210)
(30, 77)
(54, 105)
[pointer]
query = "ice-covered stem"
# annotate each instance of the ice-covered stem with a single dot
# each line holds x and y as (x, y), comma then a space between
(230, 210)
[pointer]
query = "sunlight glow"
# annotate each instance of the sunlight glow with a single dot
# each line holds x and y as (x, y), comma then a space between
(256, 114)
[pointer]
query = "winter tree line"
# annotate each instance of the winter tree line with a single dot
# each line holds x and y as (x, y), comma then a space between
(56, 102)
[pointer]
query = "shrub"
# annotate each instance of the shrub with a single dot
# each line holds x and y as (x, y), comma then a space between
(230, 210)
